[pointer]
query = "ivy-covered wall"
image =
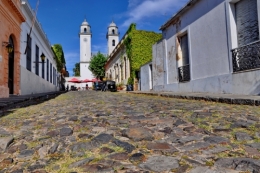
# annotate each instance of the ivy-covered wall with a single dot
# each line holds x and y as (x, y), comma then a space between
(138, 45)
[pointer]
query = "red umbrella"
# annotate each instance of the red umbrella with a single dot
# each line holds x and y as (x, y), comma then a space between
(74, 80)
(86, 81)
(94, 80)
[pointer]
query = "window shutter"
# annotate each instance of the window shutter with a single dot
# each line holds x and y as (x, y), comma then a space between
(185, 49)
(247, 22)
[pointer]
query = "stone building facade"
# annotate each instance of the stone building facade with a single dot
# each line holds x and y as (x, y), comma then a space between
(11, 18)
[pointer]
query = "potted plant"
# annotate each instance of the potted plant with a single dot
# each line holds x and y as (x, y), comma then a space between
(130, 83)
(119, 86)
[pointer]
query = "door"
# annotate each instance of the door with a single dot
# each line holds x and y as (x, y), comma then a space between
(151, 76)
(11, 68)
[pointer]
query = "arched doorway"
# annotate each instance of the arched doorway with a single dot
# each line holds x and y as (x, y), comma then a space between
(11, 68)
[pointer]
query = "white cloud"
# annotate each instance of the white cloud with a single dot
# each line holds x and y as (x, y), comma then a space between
(150, 8)
(132, 3)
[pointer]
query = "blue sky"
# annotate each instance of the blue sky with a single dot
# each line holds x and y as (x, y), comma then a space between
(61, 20)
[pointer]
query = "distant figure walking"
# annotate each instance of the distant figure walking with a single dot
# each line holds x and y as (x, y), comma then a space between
(104, 86)
(96, 85)
(86, 86)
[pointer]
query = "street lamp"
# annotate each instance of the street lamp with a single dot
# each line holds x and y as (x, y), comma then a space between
(42, 58)
(9, 47)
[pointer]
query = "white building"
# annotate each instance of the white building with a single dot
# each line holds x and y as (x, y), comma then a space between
(85, 57)
(36, 77)
(208, 46)
(117, 67)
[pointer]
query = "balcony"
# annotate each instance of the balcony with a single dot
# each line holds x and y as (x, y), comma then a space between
(184, 73)
(246, 57)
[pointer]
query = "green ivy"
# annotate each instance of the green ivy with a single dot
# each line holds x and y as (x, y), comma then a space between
(59, 56)
(130, 80)
(138, 45)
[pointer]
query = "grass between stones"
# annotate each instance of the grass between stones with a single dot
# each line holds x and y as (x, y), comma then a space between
(176, 108)
(59, 165)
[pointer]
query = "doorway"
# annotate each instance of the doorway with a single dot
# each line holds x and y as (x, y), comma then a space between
(11, 68)
(151, 76)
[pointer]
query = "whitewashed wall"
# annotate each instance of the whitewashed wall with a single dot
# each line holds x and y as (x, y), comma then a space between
(118, 58)
(28, 78)
(211, 33)
(145, 79)
(32, 84)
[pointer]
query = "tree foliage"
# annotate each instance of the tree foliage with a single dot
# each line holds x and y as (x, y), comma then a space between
(76, 70)
(138, 45)
(97, 65)
(59, 56)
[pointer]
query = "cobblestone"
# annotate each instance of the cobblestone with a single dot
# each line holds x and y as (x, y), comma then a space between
(89, 131)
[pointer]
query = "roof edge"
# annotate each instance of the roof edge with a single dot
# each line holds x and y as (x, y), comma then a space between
(175, 17)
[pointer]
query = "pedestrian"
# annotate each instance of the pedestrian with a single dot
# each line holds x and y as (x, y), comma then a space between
(104, 87)
(96, 85)
(86, 86)
(67, 87)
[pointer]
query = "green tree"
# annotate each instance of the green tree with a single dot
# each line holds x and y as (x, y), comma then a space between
(97, 65)
(76, 70)
(59, 56)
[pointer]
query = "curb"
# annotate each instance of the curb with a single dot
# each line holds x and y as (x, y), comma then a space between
(222, 98)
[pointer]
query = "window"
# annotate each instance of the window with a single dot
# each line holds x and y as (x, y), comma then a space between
(121, 69)
(85, 30)
(47, 70)
(247, 22)
(245, 54)
(50, 72)
(151, 76)
(54, 76)
(114, 75)
(125, 67)
(37, 60)
(113, 43)
(29, 53)
(110, 75)
(184, 49)
(183, 58)
(113, 31)
(43, 70)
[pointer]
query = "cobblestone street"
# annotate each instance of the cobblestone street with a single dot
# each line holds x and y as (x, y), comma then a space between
(88, 131)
